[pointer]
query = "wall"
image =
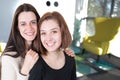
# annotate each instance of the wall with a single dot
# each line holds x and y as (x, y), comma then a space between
(6, 11)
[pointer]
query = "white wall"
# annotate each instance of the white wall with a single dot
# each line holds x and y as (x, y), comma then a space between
(6, 11)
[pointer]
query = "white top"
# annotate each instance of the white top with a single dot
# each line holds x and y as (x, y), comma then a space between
(10, 68)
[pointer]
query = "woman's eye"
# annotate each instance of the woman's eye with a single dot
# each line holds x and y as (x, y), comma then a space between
(42, 33)
(54, 31)
(23, 24)
(34, 22)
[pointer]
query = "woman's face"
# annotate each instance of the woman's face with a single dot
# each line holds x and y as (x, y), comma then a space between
(27, 24)
(50, 35)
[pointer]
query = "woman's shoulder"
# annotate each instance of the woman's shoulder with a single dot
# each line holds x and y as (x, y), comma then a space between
(6, 57)
(10, 53)
(66, 55)
(69, 58)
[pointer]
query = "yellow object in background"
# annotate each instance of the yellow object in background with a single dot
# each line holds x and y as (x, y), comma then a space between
(106, 39)
(2, 47)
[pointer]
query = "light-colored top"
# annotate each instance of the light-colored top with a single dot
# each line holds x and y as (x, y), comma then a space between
(11, 67)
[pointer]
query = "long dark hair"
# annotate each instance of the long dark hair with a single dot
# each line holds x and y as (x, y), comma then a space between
(16, 42)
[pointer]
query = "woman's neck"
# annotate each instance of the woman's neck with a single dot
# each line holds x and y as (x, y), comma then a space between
(28, 45)
(55, 60)
(55, 54)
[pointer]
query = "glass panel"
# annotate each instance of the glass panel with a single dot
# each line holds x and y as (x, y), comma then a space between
(82, 68)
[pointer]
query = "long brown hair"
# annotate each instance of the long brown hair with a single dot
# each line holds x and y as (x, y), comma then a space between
(16, 42)
(66, 36)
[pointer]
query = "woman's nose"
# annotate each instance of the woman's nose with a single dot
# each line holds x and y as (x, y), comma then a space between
(29, 26)
(49, 37)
